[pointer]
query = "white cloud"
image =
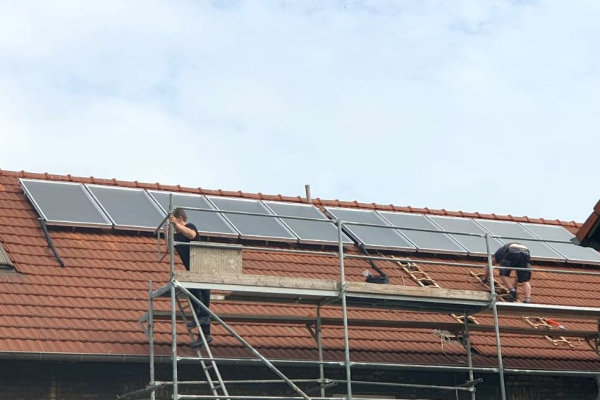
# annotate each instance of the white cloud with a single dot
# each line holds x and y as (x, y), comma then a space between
(488, 106)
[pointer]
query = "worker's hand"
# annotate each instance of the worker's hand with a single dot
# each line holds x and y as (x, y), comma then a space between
(173, 220)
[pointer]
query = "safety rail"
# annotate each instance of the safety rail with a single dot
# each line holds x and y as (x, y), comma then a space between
(174, 286)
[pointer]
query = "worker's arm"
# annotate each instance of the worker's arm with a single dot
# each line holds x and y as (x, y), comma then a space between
(187, 232)
(486, 276)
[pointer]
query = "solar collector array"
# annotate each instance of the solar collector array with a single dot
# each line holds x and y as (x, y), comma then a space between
(76, 204)
(473, 244)
(423, 240)
(514, 232)
(65, 203)
(260, 226)
(569, 250)
(208, 223)
(131, 209)
(308, 231)
(370, 236)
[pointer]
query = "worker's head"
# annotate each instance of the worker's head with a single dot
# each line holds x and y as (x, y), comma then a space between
(180, 215)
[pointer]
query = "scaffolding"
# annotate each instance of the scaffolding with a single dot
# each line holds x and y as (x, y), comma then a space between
(461, 304)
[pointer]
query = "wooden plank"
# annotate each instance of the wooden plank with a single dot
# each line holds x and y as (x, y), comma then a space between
(420, 291)
(259, 281)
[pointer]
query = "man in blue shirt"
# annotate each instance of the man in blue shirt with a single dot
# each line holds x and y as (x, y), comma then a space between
(187, 232)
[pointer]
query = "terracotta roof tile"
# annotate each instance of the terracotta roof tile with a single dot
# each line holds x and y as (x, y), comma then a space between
(295, 199)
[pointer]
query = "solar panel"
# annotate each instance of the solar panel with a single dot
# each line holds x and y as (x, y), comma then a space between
(64, 203)
(208, 223)
(370, 236)
(429, 241)
(325, 231)
(252, 226)
(473, 244)
(571, 251)
(514, 232)
(128, 208)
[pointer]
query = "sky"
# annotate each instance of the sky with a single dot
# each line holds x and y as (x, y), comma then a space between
(489, 106)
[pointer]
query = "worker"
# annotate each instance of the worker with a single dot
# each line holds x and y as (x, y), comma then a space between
(509, 256)
(187, 232)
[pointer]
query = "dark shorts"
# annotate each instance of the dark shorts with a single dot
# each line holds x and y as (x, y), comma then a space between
(522, 276)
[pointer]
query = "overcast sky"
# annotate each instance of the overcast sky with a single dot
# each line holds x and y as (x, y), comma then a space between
(490, 106)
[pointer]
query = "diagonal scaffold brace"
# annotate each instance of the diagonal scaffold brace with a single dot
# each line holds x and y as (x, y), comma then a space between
(229, 329)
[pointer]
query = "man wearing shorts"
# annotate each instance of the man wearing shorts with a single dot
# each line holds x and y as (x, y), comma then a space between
(515, 255)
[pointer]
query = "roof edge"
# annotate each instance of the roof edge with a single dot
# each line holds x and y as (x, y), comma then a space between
(279, 197)
(137, 358)
(590, 224)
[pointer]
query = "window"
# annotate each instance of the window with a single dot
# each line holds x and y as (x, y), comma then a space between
(5, 262)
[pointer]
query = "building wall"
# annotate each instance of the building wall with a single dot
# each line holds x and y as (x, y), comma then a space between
(34, 380)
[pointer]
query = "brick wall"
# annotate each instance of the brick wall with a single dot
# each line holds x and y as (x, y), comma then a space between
(32, 380)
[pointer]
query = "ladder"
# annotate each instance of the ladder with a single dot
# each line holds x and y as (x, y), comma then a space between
(535, 322)
(540, 322)
(501, 291)
(216, 383)
(423, 279)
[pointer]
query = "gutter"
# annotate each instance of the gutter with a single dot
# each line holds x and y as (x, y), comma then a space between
(133, 358)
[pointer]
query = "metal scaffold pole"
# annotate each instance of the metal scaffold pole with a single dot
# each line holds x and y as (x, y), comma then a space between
(151, 338)
(173, 301)
(344, 310)
(469, 354)
(319, 335)
(494, 299)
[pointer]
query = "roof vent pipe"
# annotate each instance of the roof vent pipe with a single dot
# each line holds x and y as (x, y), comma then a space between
(308, 198)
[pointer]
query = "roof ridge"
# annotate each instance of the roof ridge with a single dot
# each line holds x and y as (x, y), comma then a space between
(280, 197)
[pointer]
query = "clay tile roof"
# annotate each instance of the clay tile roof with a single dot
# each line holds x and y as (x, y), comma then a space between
(93, 304)
(189, 190)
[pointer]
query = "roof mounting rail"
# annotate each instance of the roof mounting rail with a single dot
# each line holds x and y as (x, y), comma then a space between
(51, 244)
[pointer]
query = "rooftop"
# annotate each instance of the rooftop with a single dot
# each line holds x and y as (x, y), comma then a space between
(92, 305)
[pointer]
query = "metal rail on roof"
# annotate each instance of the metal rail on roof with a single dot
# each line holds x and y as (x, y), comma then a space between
(379, 323)
(343, 294)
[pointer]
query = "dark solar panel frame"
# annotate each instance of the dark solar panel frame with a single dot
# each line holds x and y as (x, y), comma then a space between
(100, 220)
(535, 247)
(289, 237)
(394, 239)
(419, 238)
(151, 206)
(473, 244)
(572, 252)
(328, 234)
(195, 216)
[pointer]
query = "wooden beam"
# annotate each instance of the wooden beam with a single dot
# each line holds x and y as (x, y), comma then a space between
(260, 282)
